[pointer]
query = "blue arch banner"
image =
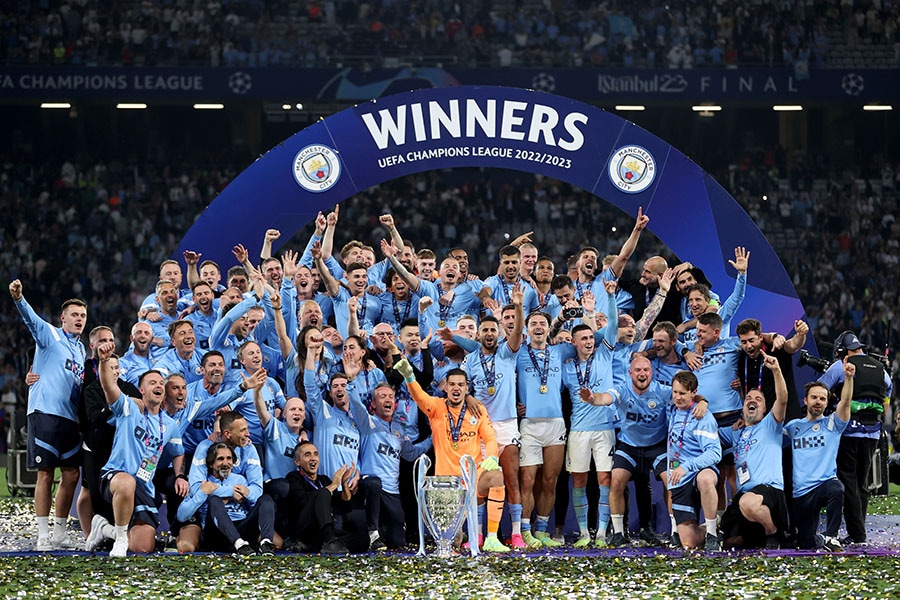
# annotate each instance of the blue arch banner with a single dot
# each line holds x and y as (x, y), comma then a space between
(508, 128)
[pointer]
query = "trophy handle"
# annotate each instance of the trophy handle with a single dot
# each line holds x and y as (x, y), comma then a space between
(420, 468)
(470, 479)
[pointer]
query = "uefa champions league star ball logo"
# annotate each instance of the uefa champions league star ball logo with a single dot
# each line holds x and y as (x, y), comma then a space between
(853, 84)
(316, 168)
(543, 82)
(632, 169)
(240, 82)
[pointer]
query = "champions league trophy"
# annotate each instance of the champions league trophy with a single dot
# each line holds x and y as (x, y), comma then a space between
(444, 502)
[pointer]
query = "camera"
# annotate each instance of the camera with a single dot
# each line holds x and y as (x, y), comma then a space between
(814, 362)
(573, 313)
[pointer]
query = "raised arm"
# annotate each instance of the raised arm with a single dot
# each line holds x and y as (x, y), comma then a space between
(259, 403)
(191, 259)
(388, 222)
(781, 396)
(611, 331)
(391, 254)
(353, 317)
(108, 380)
(652, 311)
(242, 256)
(619, 262)
(284, 340)
(515, 336)
(328, 238)
(733, 302)
(793, 345)
(271, 236)
(843, 407)
(331, 284)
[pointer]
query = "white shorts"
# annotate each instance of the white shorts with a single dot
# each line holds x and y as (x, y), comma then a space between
(538, 434)
(583, 445)
(507, 433)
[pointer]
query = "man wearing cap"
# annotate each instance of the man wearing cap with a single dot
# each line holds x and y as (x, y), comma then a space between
(871, 388)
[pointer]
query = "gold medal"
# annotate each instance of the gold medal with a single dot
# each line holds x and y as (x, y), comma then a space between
(543, 389)
(455, 446)
(442, 323)
(491, 390)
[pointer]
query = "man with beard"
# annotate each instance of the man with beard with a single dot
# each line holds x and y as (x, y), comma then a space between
(587, 263)
(203, 317)
(398, 303)
(233, 328)
(137, 361)
(499, 286)
(335, 431)
(143, 431)
(663, 357)
(644, 289)
(220, 509)
(182, 358)
(539, 367)
(491, 367)
(97, 441)
(455, 436)
(166, 300)
(750, 373)
(642, 407)
(369, 308)
(210, 393)
(453, 296)
(209, 272)
(383, 445)
(815, 440)
(236, 434)
(169, 271)
(699, 300)
(758, 516)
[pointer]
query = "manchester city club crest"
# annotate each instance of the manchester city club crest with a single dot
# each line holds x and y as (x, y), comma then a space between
(316, 168)
(632, 169)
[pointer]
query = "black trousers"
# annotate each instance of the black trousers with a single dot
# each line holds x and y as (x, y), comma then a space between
(806, 509)
(260, 522)
(308, 524)
(854, 461)
(384, 513)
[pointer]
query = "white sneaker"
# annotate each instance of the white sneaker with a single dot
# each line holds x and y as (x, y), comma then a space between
(96, 536)
(120, 548)
(44, 544)
(64, 543)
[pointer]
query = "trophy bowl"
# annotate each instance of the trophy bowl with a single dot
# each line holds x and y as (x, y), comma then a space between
(443, 509)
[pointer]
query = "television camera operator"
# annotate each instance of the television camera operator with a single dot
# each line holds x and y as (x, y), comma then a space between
(871, 389)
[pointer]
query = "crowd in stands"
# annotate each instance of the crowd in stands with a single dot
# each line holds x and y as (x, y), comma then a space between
(99, 230)
(329, 33)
